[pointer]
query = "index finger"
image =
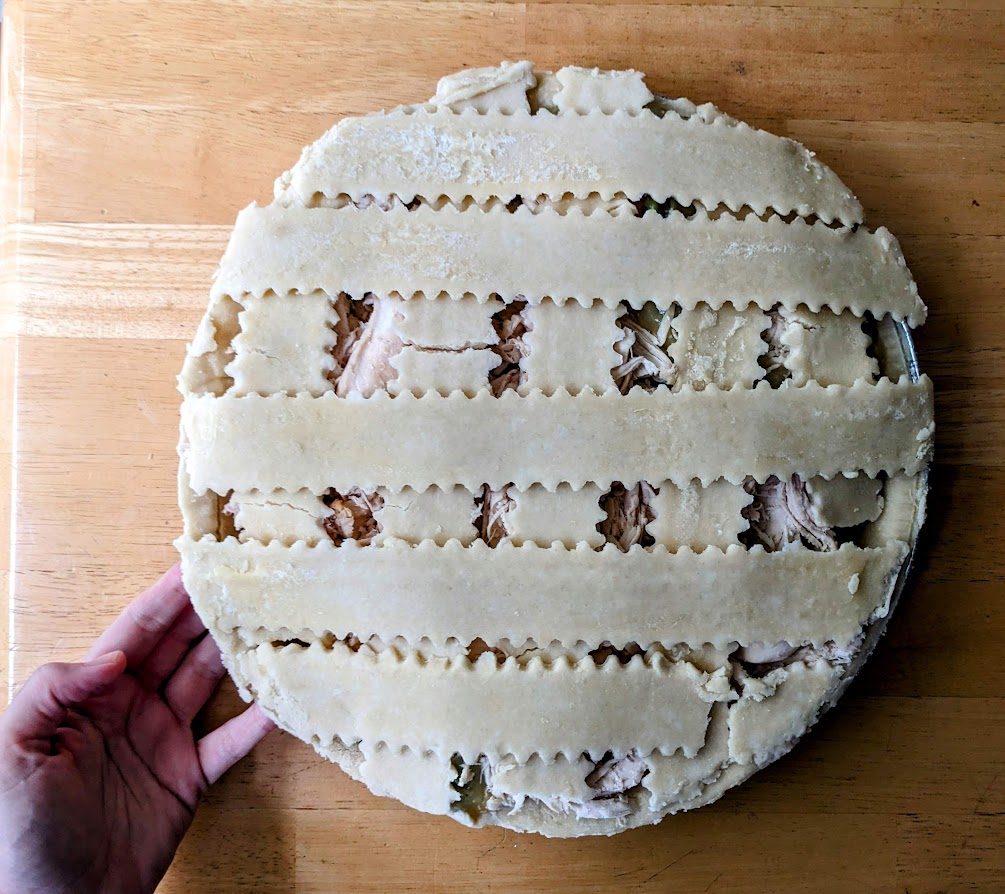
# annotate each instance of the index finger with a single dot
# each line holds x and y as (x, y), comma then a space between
(146, 620)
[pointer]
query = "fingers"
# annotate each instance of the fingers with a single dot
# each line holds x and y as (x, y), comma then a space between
(224, 747)
(194, 681)
(52, 691)
(169, 653)
(146, 620)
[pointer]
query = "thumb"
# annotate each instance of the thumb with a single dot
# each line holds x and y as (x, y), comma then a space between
(55, 688)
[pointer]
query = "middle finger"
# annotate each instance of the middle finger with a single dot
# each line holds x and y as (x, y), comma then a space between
(193, 683)
(169, 653)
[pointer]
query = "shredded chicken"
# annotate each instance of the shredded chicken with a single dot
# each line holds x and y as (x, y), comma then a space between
(366, 342)
(643, 349)
(781, 514)
(352, 315)
(511, 325)
(831, 651)
(493, 507)
(612, 777)
(758, 660)
(773, 360)
(628, 512)
(352, 516)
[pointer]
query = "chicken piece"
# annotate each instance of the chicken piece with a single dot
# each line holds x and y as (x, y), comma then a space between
(492, 510)
(628, 512)
(600, 795)
(352, 516)
(645, 360)
(782, 513)
(511, 326)
(364, 364)
(351, 315)
(615, 776)
(831, 652)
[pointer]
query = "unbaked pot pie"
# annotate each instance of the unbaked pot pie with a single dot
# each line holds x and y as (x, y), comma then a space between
(551, 451)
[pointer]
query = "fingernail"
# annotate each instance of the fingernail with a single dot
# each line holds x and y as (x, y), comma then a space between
(102, 660)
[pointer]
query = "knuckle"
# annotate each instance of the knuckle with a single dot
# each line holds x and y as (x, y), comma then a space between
(49, 673)
(147, 619)
(208, 666)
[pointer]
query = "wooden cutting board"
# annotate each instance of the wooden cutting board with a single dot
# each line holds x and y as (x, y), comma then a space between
(134, 131)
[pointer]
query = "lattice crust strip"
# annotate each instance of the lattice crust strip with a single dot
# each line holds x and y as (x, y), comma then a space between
(280, 515)
(315, 443)
(633, 259)
(421, 780)
(284, 344)
(420, 371)
(441, 322)
(827, 348)
(569, 517)
(719, 347)
(483, 709)
(695, 517)
(433, 514)
(518, 593)
(412, 152)
(762, 725)
(570, 347)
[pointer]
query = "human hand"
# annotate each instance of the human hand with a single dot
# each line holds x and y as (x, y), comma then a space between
(100, 773)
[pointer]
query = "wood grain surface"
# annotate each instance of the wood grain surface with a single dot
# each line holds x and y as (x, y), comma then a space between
(133, 132)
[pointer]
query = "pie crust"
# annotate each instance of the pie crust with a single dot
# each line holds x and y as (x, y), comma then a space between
(549, 454)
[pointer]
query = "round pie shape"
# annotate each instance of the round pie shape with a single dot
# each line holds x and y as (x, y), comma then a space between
(552, 453)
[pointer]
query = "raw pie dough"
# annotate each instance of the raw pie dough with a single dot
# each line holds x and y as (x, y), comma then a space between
(549, 455)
